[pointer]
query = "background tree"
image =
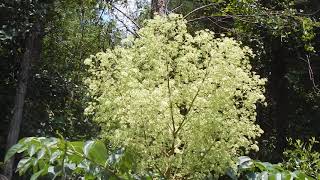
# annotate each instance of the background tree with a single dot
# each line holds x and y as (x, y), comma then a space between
(285, 36)
(183, 107)
(63, 33)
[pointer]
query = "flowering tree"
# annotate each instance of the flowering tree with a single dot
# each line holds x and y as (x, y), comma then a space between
(183, 104)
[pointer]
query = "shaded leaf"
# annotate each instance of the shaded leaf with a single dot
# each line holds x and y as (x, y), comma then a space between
(12, 151)
(37, 174)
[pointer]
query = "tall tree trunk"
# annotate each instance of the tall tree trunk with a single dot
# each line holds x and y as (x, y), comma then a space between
(158, 7)
(32, 52)
(279, 95)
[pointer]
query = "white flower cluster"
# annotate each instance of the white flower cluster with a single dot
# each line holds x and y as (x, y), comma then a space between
(184, 104)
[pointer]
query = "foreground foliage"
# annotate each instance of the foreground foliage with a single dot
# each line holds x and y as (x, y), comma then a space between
(303, 156)
(57, 158)
(257, 170)
(185, 105)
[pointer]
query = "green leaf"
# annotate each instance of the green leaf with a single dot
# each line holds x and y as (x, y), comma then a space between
(275, 176)
(51, 170)
(24, 165)
(89, 177)
(41, 153)
(54, 156)
(261, 166)
(96, 151)
(264, 175)
(37, 174)
(77, 146)
(32, 150)
(87, 146)
(303, 176)
(287, 176)
(12, 151)
(245, 162)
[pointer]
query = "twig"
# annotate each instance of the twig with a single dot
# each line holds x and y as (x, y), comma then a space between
(64, 175)
(199, 8)
(222, 27)
(310, 71)
(192, 103)
(102, 12)
(127, 28)
(166, 8)
(309, 14)
(171, 112)
(176, 7)
(135, 23)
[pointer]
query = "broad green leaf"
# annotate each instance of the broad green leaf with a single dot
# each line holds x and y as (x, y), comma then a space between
(303, 176)
(12, 151)
(77, 146)
(41, 153)
(71, 166)
(37, 174)
(32, 150)
(23, 162)
(96, 151)
(87, 147)
(287, 176)
(54, 156)
(245, 162)
(89, 177)
(275, 176)
(260, 166)
(24, 165)
(264, 175)
(51, 170)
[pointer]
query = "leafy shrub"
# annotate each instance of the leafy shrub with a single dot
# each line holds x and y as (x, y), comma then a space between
(185, 105)
(303, 157)
(257, 170)
(60, 159)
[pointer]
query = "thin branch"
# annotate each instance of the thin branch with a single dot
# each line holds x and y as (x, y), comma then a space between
(97, 20)
(199, 8)
(166, 7)
(174, 9)
(171, 111)
(171, 106)
(192, 103)
(310, 71)
(159, 170)
(222, 27)
(127, 28)
(197, 19)
(309, 14)
(124, 14)
(64, 175)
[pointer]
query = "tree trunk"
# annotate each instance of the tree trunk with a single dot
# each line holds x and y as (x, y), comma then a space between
(158, 7)
(279, 95)
(32, 52)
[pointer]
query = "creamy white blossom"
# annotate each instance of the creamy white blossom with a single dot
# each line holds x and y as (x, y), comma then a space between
(184, 104)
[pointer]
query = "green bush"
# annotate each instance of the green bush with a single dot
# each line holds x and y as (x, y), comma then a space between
(303, 157)
(60, 159)
(257, 170)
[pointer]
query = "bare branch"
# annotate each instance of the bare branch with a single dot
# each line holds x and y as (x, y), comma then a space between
(310, 71)
(127, 28)
(97, 20)
(199, 8)
(124, 14)
(174, 9)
